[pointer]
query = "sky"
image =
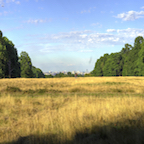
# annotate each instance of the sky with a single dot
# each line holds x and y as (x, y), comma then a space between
(70, 35)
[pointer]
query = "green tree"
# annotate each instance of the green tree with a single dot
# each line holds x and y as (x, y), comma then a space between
(49, 76)
(26, 65)
(128, 62)
(3, 56)
(130, 66)
(12, 64)
(69, 74)
(37, 72)
(98, 69)
(9, 66)
(140, 61)
(113, 65)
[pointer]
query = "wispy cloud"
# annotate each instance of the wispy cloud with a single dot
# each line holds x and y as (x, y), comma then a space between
(70, 64)
(111, 30)
(5, 12)
(142, 7)
(16, 2)
(96, 24)
(13, 28)
(83, 41)
(36, 21)
(88, 10)
(85, 50)
(130, 15)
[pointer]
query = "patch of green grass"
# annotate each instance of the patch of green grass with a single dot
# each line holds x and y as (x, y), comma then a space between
(13, 89)
(115, 83)
(42, 91)
(29, 91)
(1, 122)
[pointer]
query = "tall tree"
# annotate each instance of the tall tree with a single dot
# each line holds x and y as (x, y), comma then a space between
(37, 72)
(99, 65)
(130, 67)
(3, 56)
(26, 65)
(12, 64)
(140, 62)
(113, 65)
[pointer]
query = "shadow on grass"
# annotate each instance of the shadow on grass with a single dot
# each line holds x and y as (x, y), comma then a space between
(129, 131)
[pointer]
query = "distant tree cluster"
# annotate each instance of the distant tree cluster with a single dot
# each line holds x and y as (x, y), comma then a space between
(12, 66)
(59, 75)
(128, 62)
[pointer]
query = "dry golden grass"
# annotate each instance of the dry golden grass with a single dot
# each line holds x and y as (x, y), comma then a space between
(90, 115)
(94, 84)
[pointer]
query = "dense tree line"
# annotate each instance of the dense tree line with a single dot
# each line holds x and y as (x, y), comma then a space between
(12, 66)
(128, 62)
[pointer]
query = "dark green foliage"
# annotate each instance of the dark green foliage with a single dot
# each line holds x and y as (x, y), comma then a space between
(98, 70)
(12, 64)
(49, 76)
(69, 74)
(37, 73)
(42, 91)
(9, 65)
(128, 62)
(26, 65)
(139, 68)
(60, 75)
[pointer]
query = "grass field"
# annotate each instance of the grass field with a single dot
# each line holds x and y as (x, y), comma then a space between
(89, 110)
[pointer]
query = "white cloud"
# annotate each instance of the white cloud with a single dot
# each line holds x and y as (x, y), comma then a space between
(84, 41)
(130, 15)
(5, 12)
(131, 32)
(83, 36)
(142, 7)
(111, 30)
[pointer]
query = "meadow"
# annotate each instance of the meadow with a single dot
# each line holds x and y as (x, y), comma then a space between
(88, 110)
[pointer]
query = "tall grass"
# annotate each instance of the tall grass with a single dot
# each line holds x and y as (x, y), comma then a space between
(72, 119)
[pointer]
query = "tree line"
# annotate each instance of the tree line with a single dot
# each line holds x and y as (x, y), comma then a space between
(128, 62)
(12, 66)
(69, 74)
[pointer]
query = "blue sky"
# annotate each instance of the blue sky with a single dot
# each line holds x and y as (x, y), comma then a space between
(70, 35)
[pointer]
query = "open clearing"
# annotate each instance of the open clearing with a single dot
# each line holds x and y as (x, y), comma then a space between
(101, 110)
